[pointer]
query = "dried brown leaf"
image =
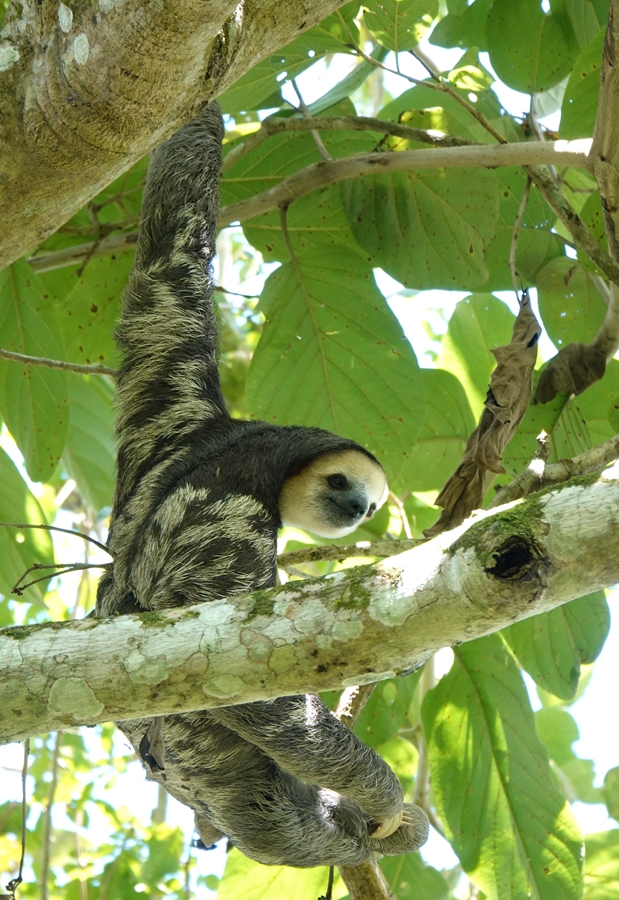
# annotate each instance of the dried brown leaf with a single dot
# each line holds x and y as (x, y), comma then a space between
(571, 371)
(507, 400)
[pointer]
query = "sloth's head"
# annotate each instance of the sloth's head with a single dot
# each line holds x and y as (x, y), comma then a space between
(334, 494)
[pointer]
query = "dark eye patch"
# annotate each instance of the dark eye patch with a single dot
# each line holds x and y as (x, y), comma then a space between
(337, 482)
(371, 511)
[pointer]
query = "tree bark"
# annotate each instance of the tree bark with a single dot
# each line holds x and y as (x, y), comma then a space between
(352, 627)
(85, 92)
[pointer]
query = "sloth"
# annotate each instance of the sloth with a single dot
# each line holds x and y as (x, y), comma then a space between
(198, 502)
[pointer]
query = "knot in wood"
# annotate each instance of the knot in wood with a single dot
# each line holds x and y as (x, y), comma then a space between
(517, 559)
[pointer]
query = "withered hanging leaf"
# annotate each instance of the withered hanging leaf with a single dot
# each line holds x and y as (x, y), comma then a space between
(507, 400)
(571, 371)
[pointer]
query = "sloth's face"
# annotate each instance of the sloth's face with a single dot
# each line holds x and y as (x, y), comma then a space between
(334, 494)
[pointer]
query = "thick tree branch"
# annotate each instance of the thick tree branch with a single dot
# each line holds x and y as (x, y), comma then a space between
(85, 93)
(605, 148)
(352, 627)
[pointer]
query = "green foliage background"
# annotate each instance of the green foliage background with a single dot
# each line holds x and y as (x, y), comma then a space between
(321, 346)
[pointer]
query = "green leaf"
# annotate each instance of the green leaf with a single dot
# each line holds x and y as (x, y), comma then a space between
(570, 306)
(579, 107)
(602, 865)
(333, 355)
(411, 879)
(21, 548)
(165, 848)
(447, 425)
(385, 712)
(552, 647)
(315, 220)
(587, 18)
(610, 792)
(513, 832)
(463, 27)
(89, 454)
(593, 217)
(585, 421)
(33, 399)
(536, 243)
(425, 107)
(399, 24)
(332, 35)
(479, 323)
(251, 881)
(530, 50)
(558, 731)
(91, 309)
(348, 85)
(427, 230)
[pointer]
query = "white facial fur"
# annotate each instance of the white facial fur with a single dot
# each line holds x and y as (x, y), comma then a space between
(312, 500)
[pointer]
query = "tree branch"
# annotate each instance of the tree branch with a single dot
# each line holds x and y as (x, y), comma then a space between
(536, 477)
(352, 627)
(26, 360)
(560, 153)
(81, 101)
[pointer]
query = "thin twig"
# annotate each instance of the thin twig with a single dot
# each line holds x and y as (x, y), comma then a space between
(56, 364)
(14, 883)
(79, 534)
(515, 233)
(307, 115)
(406, 528)
(532, 479)
(47, 821)
(62, 569)
(347, 551)
(422, 779)
(278, 125)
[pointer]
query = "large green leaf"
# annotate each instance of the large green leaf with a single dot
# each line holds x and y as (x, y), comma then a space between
(91, 308)
(386, 711)
(251, 881)
(21, 548)
(411, 879)
(580, 103)
(89, 453)
(333, 355)
(602, 866)
(553, 646)
(315, 220)
(33, 399)
(536, 242)
(464, 26)
(587, 17)
(165, 849)
(479, 323)
(446, 428)
(592, 215)
(512, 830)
(332, 35)
(569, 303)
(610, 792)
(399, 24)
(428, 229)
(530, 50)
(574, 427)
(444, 111)
(558, 731)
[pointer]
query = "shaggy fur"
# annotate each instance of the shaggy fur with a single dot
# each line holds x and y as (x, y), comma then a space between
(195, 518)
